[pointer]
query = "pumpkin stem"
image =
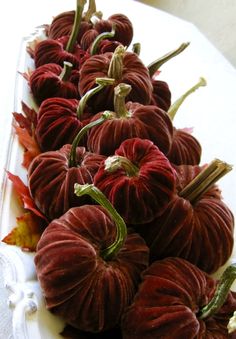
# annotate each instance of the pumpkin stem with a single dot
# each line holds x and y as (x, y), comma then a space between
(72, 158)
(99, 38)
(136, 48)
(115, 162)
(116, 64)
(66, 71)
(76, 25)
(90, 11)
(221, 293)
(176, 105)
(120, 93)
(109, 252)
(101, 83)
(205, 180)
(155, 65)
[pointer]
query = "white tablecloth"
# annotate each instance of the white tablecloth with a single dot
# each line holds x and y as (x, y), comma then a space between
(211, 110)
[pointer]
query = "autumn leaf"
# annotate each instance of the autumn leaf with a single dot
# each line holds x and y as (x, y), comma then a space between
(31, 147)
(27, 232)
(24, 194)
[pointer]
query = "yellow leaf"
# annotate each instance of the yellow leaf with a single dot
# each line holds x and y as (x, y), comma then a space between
(27, 232)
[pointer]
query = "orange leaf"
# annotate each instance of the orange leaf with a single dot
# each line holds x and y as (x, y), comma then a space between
(29, 143)
(27, 232)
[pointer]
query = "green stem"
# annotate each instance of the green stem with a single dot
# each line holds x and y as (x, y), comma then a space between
(205, 180)
(115, 70)
(115, 162)
(120, 93)
(99, 38)
(175, 106)
(76, 25)
(155, 65)
(136, 48)
(90, 11)
(72, 159)
(101, 83)
(222, 290)
(66, 71)
(109, 252)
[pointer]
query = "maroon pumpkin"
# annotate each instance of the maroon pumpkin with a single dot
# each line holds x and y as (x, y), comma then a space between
(51, 80)
(161, 95)
(58, 123)
(124, 67)
(51, 179)
(196, 228)
(81, 283)
(185, 148)
(169, 303)
(123, 27)
(62, 24)
(54, 51)
(128, 121)
(138, 180)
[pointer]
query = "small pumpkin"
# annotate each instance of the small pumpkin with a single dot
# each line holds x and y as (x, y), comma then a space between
(178, 300)
(130, 120)
(197, 225)
(88, 266)
(138, 180)
(51, 80)
(124, 67)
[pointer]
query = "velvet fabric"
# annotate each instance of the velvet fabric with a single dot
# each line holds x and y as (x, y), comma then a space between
(89, 292)
(45, 83)
(54, 51)
(123, 28)
(58, 123)
(51, 180)
(142, 121)
(141, 197)
(168, 301)
(134, 73)
(200, 232)
(185, 148)
(62, 24)
(161, 96)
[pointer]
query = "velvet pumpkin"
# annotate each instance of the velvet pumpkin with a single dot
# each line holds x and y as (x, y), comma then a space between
(124, 67)
(51, 80)
(197, 225)
(59, 119)
(161, 95)
(51, 179)
(138, 180)
(130, 120)
(88, 268)
(170, 301)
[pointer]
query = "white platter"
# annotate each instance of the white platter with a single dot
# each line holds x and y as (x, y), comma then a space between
(211, 111)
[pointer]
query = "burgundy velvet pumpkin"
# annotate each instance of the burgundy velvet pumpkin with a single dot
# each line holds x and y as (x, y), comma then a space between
(88, 291)
(54, 51)
(124, 67)
(161, 95)
(51, 80)
(123, 27)
(185, 148)
(58, 123)
(200, 231)
(169, 302)
(51, 179)
(139, 180)
(128, 121)
(62, 24)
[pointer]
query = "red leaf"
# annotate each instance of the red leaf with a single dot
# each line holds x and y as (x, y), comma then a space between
(24, 195)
